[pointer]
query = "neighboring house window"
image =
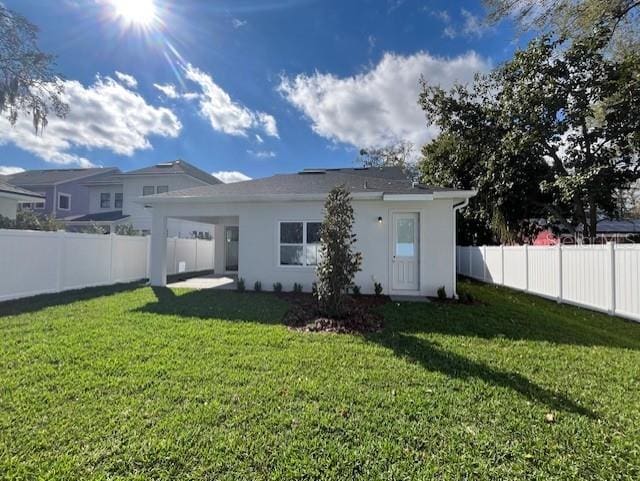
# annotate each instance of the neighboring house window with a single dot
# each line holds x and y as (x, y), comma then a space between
(117, 201)
(38, 205)
(161, 189)
(64, 202)
(105, 200)
(299, 243)
(148, 190)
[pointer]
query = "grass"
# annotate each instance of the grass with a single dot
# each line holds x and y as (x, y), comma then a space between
(134, 383)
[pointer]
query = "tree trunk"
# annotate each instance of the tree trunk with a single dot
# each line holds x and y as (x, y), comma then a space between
(593, 219)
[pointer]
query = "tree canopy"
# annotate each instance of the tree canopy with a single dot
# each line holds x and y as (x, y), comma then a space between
(553, 134)
(28, 83)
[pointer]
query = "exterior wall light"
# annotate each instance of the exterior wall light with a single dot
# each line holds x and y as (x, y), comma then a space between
(380, 220)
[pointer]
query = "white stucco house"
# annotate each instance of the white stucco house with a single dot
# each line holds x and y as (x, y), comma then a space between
(11, 197)
(269, 228)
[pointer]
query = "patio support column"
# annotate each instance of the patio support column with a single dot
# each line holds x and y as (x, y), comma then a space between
(158, 275)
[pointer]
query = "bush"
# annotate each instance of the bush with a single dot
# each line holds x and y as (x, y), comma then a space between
(27, 220)
(277, 287)
(442, 293)
(356, 291)
(257, 286)
(127, 229)
(297, 288)
(465, 297)
(240, 285)
(314, 290)
(377, 288)
(339, 262)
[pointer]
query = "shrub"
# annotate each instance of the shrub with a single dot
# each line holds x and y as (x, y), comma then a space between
(277, 287)
(240, 285)
(356, 291)
(377, 288)
(442, 293)
(314, 290)
(127, 229)
(297, 288)
(339, 262)
(257, 286)
(465, 297)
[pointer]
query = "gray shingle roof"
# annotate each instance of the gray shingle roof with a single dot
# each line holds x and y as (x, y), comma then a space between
(177, 167)
(623, 226)
(54, 176)
(388, 180)
(100, 217)
(12, 189)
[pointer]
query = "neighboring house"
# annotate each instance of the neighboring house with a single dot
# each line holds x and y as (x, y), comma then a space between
(269, 228)
(12, 196)
(64, 190)
(607, 230)
(112, 199)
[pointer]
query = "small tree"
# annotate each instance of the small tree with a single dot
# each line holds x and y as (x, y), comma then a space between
(338, 263)
(28, 220)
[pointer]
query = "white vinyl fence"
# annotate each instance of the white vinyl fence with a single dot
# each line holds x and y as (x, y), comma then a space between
(33, 262)
(601, 277)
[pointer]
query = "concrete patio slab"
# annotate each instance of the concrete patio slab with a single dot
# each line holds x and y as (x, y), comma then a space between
(210, 281)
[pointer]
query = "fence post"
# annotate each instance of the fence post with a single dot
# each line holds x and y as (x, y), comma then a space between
(502, 264)
(470, 256)
(484, 263)
(111, 241)
(612, 270)
(526, 268)
(60, 263)
(196, 266)
(559, 272)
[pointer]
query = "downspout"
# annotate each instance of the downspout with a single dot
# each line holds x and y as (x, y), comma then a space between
(456, 207)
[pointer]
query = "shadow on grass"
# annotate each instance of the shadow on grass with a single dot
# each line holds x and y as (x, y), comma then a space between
(432, 357)
(209, 304)
(42, 301)
(268, 309)
(507, 314)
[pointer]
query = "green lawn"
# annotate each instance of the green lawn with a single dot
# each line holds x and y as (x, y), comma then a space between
(132, 383)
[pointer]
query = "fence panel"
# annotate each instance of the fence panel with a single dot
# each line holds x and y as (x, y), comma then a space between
(627, 276)
(604, 278)
(515, 271)
(543, 271)
(493, 260)
(204, 255)
(33, 262)
(586, 276)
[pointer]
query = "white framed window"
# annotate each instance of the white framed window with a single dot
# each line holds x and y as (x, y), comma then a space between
(148, 190)
(298, 243)
(161, 189)
(64, 201)
(105, 200)
(117, 200)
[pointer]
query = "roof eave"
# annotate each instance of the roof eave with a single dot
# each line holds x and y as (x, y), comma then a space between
(250, 198)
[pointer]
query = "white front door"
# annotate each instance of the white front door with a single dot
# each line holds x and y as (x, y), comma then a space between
(405, 268)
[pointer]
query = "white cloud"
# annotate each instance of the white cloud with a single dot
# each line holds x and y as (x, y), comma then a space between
(381, 105)
(127, 79)
(224, 114)
(259, 139)
(8, 170)
(473, 26)
(442, 15)
(169, 90)
(105, 115)
(230, 176)
(449, 32)
(262, 154)
(237, 23)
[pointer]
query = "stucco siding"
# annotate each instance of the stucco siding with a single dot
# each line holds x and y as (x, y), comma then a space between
(258, 244)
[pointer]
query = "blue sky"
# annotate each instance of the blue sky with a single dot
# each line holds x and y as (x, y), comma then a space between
(251, 86)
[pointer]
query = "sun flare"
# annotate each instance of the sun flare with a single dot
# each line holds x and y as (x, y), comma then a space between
(141, 13)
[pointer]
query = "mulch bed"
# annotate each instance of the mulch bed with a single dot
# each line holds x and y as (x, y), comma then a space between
(363, 315)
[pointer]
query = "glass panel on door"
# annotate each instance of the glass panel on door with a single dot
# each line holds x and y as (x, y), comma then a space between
(405, 237)
(231, 237)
